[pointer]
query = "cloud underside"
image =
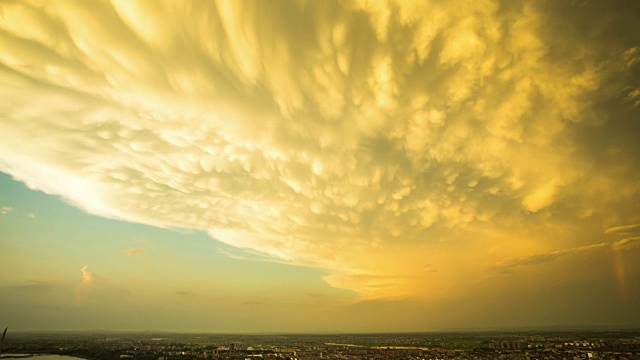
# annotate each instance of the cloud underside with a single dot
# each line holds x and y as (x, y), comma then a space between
(367, 139)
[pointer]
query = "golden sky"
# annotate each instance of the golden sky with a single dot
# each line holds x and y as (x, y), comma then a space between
(414, 158)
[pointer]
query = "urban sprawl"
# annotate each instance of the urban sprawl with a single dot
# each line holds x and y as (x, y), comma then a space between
(427, 346)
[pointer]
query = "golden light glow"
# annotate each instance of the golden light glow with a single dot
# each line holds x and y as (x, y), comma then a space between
(410, 150)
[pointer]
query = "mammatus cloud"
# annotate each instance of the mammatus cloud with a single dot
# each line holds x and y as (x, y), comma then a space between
(135, 251)
(368, 139)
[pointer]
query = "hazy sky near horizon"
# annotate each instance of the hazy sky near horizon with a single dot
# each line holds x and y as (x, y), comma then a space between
(319, 165)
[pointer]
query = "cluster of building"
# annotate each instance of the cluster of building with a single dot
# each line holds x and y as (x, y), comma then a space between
(472, 346)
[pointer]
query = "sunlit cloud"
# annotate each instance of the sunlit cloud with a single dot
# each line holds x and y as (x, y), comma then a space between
(623, 229)
(245, 254)
(628, 237)
(87, 277)
(627, 243)
(509, 266)
(95, 290)
(5, 210)
(366, 139)
(85, 286)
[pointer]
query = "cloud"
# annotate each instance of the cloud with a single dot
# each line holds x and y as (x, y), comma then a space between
(369, 286)
(33, 285)
(85, 286)
(31, 292)
(245, 254)
(87, 278)
(627, 243)
(94, 290)
(630, 236)
(634, 96)
(135, 251)
(358, 138)
(623, 229)
(509, 266)
(8, 209)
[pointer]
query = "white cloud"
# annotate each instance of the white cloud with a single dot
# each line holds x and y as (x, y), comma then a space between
(6, 210)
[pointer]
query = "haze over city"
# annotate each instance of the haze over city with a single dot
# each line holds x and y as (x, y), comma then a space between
(319, 166)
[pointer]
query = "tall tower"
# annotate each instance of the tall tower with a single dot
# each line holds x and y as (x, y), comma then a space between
(2, 340)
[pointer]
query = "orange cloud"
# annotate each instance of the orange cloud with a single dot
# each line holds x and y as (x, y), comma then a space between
(134, 251)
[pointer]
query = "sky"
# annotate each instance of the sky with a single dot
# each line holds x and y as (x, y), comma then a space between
(319, 166)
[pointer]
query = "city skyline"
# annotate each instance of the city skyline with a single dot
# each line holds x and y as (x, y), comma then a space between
(254, 166)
